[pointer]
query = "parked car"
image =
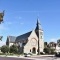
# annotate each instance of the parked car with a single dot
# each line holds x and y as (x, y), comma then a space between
(57, 54)
(27, 54)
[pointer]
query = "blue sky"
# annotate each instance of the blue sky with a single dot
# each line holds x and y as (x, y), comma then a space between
(21, 16)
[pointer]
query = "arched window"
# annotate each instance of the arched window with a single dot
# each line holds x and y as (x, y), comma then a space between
(30, 50)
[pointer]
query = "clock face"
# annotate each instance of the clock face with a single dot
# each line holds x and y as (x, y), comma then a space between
(33, 41)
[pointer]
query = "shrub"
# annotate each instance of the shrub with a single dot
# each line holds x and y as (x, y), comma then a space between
(13, 49)
(5, 49)
(49, 50)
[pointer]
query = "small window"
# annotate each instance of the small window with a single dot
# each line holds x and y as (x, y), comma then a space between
(30, 50)
(37, 50)
(41, 37)
(41, 33)
(59, 45)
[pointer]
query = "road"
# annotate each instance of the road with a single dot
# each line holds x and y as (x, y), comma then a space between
(11, 58)
(47, 58)
(31, 58)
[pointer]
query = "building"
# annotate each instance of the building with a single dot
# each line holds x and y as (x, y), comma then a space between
(58, 42)
(52, 45)
(31, 42)
(58, 46)
(10, 40)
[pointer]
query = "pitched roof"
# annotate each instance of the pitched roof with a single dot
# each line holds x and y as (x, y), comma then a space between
(23, 37)
(52, 43)
(11, 39)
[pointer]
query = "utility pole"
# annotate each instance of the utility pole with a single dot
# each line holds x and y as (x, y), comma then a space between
(1, 20)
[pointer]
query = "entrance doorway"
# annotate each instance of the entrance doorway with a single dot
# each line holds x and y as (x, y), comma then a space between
(34, 50)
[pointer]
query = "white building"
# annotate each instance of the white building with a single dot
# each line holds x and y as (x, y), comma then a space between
(58, 46)
(31, 42)
(10, 40)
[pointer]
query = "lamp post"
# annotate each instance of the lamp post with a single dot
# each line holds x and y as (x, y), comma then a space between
(1, 20)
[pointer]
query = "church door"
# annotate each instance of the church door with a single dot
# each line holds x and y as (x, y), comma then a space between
(34, 50)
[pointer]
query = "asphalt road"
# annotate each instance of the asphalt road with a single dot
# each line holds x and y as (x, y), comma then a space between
(31, 58)
(11, 58)
(47, 58)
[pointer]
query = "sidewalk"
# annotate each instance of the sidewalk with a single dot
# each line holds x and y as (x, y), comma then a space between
(10, 56)
(23, 55)
(43, 55)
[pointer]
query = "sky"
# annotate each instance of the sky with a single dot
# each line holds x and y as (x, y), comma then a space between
(21, 16)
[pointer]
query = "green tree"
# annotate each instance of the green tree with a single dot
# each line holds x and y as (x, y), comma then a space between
(5, 49)
(52, 51)
(13, 49)
(45, 44)
(47, 50)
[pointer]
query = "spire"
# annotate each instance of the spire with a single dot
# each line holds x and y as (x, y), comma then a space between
(38, 27)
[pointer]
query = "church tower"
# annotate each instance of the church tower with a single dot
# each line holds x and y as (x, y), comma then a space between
(39, 33)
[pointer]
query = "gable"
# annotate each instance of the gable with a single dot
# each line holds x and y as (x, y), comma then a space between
(33, 35)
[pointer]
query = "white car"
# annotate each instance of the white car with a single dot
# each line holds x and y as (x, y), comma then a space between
(27, 54)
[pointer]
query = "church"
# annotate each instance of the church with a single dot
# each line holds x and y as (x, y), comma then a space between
(31, 42)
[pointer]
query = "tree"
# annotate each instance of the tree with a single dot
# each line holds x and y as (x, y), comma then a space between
(52, 51)
(46, 50)
(1, 16)
(5, 49)
(13, 49)
(45, 44)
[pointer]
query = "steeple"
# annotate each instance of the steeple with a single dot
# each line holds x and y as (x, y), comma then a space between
(38, 30)
(38, 27)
